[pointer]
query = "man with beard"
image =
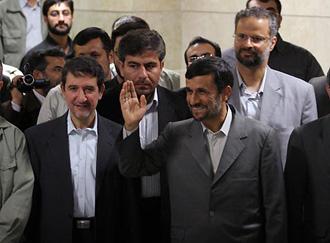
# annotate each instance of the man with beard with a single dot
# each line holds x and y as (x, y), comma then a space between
(285, 56)
(224, 171)
(58, 16)
(275, 98)
(45, 67)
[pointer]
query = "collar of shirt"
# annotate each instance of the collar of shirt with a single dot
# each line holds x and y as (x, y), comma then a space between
(72, 129)
(153, 103)
(39, 97)
(24, 3)
(225, 126)
(243, 88)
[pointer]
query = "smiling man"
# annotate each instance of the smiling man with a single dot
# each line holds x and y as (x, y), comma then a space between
(58, 16)
(211, 163)
(70, 156)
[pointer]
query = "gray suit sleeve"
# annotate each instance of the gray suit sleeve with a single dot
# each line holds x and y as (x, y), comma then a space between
(310, 108)
(136, 162)
(273, 191)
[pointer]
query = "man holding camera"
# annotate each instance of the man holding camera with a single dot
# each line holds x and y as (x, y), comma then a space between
(43, 71)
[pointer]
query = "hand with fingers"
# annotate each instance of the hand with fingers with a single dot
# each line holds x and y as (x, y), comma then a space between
(132, 107)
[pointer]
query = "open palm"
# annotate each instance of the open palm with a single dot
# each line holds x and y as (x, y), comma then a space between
(132, 108)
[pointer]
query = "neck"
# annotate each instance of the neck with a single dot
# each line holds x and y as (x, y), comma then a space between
(32, 3)
(62, 41)
(252, 77)
(84, 123)
(215, 123)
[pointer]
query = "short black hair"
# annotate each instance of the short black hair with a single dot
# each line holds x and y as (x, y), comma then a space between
(215, 66)
(125, 26)
(88, 34)
(259, 13)
(202, 40)
(125, 19)
(328, 77)
(277, 2)
(137, 42)
(83, 66)
(37, 59)
(48, 3)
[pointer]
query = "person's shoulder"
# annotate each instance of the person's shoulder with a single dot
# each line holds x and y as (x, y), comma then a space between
(288, 80)
(295, 49)
(9, 127)
(318, 81)
(113, 126)
(313, 126)
(46, 128)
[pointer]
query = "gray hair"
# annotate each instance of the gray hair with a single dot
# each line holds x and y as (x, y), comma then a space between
(259, 13)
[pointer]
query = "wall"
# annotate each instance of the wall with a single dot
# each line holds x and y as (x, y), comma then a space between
(305, 23)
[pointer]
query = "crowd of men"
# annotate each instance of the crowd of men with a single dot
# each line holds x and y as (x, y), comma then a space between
(99, 144)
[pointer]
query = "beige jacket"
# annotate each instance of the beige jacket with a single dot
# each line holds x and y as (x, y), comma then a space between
(16, 183)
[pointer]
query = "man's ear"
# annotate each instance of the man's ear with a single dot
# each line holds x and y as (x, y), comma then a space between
(226, 93)
(45, 19)
(101, 91)
(1, 84)
(273, 41)
(162, 65)
(121, 67)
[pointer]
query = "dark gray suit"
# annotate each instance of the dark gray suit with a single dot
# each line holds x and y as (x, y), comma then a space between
(287, 102)
(307, 179)
(243, 202)
(322, 97)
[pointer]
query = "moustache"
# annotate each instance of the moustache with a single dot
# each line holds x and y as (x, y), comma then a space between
(61, 24)
(250, 50)
(198, 106)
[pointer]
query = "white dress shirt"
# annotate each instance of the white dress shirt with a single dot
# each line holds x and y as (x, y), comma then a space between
(83, 154)
(217, 140)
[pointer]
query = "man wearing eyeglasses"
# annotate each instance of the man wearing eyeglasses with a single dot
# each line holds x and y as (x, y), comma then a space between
(275, 98)
(285, 57)
(200, 47)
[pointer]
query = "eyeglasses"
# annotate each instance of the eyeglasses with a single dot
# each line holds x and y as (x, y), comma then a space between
(256, 39)
(194, 58)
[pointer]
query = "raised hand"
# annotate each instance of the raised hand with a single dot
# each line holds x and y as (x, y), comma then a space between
(132, 108)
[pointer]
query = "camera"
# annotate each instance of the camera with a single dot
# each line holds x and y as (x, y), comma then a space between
(27, 83)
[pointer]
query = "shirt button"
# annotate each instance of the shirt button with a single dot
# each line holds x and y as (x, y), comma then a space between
(212, 213)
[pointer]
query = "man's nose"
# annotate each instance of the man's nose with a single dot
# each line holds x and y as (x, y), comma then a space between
(81, 95)
(143, 73)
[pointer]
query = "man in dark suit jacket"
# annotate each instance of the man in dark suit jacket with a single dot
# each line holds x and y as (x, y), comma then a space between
(141, 53)
(322, 93)
(23, 108)
(307, 183)
(70, 156)
(224, 171)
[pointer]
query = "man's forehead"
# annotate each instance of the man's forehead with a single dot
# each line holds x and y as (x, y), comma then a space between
(146, 57)
(252, 23)
(59, 6)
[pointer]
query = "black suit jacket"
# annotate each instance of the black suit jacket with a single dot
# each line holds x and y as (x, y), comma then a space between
(243, 202)
(307, 180)
(322, 97)
(52, 210)
(28, 115)
(172, 106)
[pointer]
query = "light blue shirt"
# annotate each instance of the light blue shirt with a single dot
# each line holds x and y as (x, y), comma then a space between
(251, 100)
(217, 140)
(148, 131)
(83, 154)
(33, 23)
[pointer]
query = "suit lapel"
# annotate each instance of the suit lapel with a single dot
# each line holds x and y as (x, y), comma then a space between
(198, 147)
(235, 97)
(104, 147)
(234, 146)
(58, 150)
(271, 97)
